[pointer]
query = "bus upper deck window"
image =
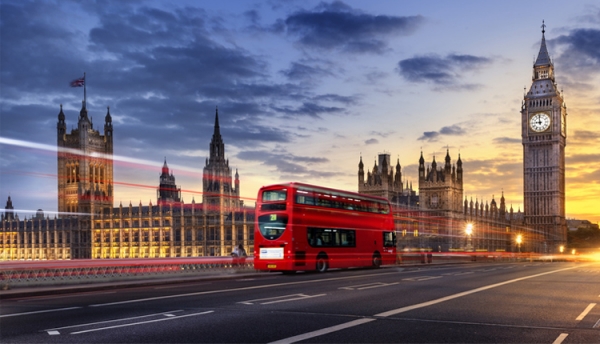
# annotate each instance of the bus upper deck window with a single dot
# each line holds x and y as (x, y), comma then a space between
(274, 195)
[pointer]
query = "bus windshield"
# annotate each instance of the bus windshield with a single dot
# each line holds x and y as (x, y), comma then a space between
(272, 226)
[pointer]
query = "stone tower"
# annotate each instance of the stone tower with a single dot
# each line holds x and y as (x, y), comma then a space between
(221, 198)
(220, 195)
(381, 181)
(167, 192)
(441, 189)
(544, 137)
(85, 165)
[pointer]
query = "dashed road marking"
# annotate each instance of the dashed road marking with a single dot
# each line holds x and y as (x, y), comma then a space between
(421, 278)
(278, 299)
(368, 286)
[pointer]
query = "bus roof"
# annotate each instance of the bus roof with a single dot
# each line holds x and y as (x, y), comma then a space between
(309, 187)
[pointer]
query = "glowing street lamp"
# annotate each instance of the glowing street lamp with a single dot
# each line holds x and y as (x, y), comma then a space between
(469, 232)
(519, 241)
(561, 249)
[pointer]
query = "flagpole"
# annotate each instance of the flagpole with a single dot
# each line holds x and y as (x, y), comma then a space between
(84, 95)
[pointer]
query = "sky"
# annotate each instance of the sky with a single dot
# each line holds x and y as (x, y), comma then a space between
(304, 89)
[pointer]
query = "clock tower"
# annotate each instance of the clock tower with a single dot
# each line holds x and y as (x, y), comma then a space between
(544, 137)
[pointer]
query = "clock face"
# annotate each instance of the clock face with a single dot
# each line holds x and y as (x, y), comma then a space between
(539, 122)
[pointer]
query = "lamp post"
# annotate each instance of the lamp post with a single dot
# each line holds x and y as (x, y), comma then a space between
(468, 232)
(519, 240)
(561, 249)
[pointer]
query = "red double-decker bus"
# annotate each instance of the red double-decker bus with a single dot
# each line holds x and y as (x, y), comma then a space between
(306, 227)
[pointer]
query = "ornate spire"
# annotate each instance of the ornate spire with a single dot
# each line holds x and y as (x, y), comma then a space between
(543, 58)
(108, 117)
(165, 168)
(217, 147)
(61, 115)
(217, 131)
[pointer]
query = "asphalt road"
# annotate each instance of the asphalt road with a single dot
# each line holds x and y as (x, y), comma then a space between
(472, 303)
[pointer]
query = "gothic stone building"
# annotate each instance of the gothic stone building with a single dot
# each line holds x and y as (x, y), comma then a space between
(90, 227)
(437, 218)
(384, 182)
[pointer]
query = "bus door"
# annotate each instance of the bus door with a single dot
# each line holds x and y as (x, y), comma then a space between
(389, 247)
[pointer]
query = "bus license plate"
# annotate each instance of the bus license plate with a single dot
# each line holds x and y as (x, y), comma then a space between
(272, 266)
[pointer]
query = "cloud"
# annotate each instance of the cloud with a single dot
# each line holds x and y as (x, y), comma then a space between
(371, 141)
(302, 71)
(433, 136)
(506, 140)
(382, 134)
(586, 159)
(308, 109)
(441, 71)
(336, 26)
(293, 167)
(580, 51)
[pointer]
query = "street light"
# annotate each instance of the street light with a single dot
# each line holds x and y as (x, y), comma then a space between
(561, 249)
(468, 232)
(519, 241)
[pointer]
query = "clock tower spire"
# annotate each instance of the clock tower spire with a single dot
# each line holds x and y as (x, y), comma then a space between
(544, 134)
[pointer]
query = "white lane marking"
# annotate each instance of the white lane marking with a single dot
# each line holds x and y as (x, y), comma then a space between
(141, 323)
(53, 333)
(368, 286)
(277, 299)
(421, 278)
(405, 309)
(114, 320)
(322, 331)
(585, 311)
(597, 324)
(464, 293)
(36, 312)
(457, 273)
(560, 338)
(239, 289)
(180, 285)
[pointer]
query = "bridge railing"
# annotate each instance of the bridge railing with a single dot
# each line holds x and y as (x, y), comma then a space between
(51, 272)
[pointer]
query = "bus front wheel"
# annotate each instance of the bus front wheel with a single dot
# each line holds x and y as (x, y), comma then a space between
(322, 264)
(376, 260)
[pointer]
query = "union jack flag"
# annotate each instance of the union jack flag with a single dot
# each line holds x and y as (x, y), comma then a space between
(78, 82)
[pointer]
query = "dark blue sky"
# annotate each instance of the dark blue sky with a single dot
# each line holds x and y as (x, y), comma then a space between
(304, 89)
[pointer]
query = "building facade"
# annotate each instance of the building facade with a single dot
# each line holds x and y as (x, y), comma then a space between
(85, 165)
(90, 228)
(384, 182)
(436, 219)
(544, 138)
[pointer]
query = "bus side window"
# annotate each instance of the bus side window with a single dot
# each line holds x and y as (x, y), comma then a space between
(389, 239)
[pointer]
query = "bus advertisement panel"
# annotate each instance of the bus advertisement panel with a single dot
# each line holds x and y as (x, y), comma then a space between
(305, 227)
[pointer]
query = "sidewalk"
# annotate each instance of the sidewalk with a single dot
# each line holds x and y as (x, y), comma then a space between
(19, 292)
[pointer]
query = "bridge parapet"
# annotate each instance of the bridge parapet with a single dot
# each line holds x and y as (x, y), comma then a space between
(44, 273)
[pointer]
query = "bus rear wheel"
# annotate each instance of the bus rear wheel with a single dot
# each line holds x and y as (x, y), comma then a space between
(376, 260)
(322, 264)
